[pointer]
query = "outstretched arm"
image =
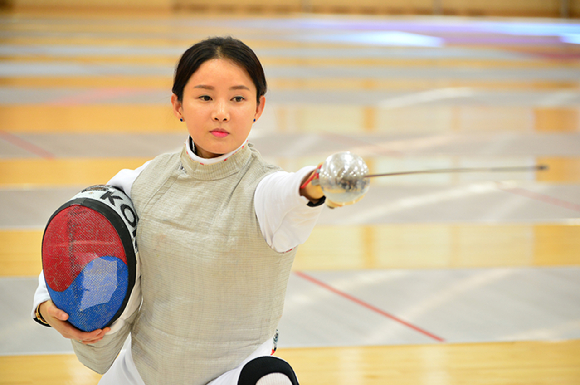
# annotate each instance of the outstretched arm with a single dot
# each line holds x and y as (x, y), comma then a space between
(285, 214)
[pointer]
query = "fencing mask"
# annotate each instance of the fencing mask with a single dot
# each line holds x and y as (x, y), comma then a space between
(89, 256)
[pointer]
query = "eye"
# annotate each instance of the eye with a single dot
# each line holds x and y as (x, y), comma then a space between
(238, 99)
(205, 98)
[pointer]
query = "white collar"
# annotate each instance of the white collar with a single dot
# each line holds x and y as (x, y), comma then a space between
(205, 161)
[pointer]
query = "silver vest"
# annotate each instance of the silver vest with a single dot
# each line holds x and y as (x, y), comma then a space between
(213, 290)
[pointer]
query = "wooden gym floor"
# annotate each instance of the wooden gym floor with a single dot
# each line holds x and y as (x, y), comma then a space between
(433, 279)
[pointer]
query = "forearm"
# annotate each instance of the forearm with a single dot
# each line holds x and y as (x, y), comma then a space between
(285, 216)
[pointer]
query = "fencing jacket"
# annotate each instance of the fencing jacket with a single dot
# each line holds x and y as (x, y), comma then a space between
(213, 287)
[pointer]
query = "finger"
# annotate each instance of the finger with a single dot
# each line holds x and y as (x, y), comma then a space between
(97, 334)
(92, 338)
(85, 339)
(94, 335)
(69, 331)
(91, 341)
(55, 312)
(89, 336)
(61, 315)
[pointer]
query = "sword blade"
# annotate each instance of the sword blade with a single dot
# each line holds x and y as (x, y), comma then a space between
(451, 170)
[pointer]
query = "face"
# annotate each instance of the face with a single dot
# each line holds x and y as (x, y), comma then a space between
(219, 107)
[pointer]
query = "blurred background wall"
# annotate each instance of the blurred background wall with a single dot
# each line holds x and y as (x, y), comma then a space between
(527, 8)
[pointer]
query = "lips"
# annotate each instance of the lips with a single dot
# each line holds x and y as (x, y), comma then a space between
(219, 133)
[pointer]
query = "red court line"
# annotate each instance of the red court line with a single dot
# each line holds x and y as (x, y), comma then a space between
(25, 145)
(95, 96)
(551, 55)
(541, 197)
(367, 305)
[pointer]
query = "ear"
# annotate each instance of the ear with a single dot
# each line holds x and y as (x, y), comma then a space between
(177, 110)
(260, 108)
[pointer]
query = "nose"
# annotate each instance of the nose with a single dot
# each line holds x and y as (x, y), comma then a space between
(221, 113)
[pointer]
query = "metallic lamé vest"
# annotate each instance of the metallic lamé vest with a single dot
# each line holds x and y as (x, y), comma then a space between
(213, 290)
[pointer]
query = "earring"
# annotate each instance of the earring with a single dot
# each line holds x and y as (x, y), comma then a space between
(181, 119)
(254, 120)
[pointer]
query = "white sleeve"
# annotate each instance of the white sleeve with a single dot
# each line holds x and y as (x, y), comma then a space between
(284, 216)
(124, 180)
(41, 294)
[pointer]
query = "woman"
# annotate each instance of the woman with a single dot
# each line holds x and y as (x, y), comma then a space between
(217, 235)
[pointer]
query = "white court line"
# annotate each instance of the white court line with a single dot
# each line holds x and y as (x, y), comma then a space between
(559, 98)
(425, 97)
(432, 198)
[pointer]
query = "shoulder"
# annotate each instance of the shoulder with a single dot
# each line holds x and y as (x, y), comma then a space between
(161, 162)
(259, 161)
(157, 171)
(167, 157)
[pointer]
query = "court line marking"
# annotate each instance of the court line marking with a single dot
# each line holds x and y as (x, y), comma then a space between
(95, 96)
(425, 97)
(367, 305)
(26, 145)
(360, 146)
(540, 197)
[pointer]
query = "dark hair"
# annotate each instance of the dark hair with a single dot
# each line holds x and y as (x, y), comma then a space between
(219, 48)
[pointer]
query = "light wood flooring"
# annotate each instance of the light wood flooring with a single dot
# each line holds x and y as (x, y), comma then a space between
(433, 279)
